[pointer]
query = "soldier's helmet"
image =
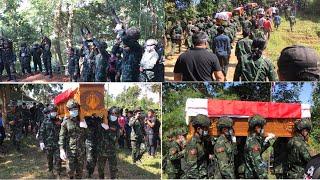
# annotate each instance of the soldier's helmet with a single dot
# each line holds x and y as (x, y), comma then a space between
(46, 110)
(53, 108)
(256, 120)
(181, 131)
(201, 121)
(72, 104)
(304, 123)
(224, 122)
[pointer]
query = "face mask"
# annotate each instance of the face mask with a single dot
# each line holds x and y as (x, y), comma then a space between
(74, 113)
(113, 118)
(53, 114)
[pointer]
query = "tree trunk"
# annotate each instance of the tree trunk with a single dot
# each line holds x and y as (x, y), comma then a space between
(70, 27)
(57, 31)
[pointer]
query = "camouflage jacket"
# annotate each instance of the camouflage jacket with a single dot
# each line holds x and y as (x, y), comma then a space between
(49, 133)
(196, 164)
(255, 168)
(243, 47)
(298, 157)
(175, 155)
(137, 129)
(100, 68)
(73, 65)
(224, 151)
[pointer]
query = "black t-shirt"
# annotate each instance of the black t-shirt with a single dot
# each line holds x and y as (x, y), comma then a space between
(197, 64)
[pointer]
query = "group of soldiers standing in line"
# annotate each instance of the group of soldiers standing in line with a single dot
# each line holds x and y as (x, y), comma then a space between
(127, 62)
(91, 141)
(229, 157)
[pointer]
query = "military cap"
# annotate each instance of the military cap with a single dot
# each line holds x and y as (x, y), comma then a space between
(72, 104)
(304, 123)
(256, 120)
(181, 131)
(201, 120)
(297, 60)
(224, 122)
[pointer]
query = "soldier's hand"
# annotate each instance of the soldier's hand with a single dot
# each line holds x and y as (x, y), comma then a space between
(269, 137)
(63, 155)
(42, 146)
(210, 156)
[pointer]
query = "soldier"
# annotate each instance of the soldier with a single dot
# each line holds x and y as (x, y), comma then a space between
(255, 67)
(8, 58)
(225, 149)
(36, 57)
(25, 58)
(73, 129)
(292, 21)
(243, 46)
(73, 65)
(190, 26)
(196, 160)
(46, 55)
(150, 122)
(176, 37)
(175, 154)
(136, 136)
(93, 123)
(26, 116)
(255, 167)
(88, 52)
(107, 145)
(16, 124)
(246, 24)
(48, 138)
(101, 62)
(298, 155)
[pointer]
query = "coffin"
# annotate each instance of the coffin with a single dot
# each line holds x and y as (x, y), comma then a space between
(280, 117)
(89, 96)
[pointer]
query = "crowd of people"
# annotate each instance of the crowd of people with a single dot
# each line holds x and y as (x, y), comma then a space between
(128, 61)
(91, 141)
(211, 39)
(202, 156)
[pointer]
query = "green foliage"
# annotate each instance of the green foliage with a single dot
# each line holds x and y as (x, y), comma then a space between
(315, 114)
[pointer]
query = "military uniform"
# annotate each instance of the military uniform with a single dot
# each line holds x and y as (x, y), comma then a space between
(8, 59)
(130, 62)
(36, 57)
(107, 149)
(176, 38)
(16, 127)
(243, 47)
(26, 116)
(259, 70)
(175, 154)
(73, 68)
(292, 21)
(49, 135)
(87, 73)
(70, 128)
(25, 58)
(46, 57)
(136, 138)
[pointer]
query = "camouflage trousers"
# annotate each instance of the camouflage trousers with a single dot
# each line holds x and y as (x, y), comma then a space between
(54, 161)
(138, 149)
(47, 64)
(91, 157)
(110, 156)
(76, 161)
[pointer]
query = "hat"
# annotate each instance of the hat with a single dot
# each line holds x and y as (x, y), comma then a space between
(201, 121)
(297, 62)
(224, 122)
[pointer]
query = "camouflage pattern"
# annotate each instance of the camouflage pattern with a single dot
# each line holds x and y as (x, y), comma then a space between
(246, 24)
(195, 165)
(46, 58)
(255, 167)
(243, 47)
(176, 36)
(224, 151)
(258, 33)
(73, 67)
(136, 138)
(49, 135)
(292, 21)
(249, 70)
(25, 59)
(8, 58)
(87, 73)
(16, 128)
(175, 154)
(130, 63)
(26, 117)
(36, 57)
(100, 68)
(70, 128)
(298, 157)
(107, 150)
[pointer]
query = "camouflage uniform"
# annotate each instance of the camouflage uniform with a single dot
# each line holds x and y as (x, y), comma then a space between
(49, 135)
(87, 73)
(292, 21)
(176, 38)
(46, 56)
(175, 155)
(25, 58)
(136, 138)
(73, 67)
(36, 57)
(107, 150)
(17, 127)
(298, 155)
(8, 59)
(101, 61)
(243, 47)
(26, 116)
(130, 63)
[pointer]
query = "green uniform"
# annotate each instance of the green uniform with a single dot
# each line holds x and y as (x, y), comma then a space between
(49, 135)
(17, 128)
(176, 37)
(246, 24)
(298, 157)
(259, 70)
(292, 21)
(136, 138)
(243, 47)
(255, 168)
(196, 165)
(175, 154)
(91, 143)
(224, 151)
(70, 128)
(107, 150)
(258, 33)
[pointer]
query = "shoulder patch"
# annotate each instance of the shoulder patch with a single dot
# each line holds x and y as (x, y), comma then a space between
(256, 148)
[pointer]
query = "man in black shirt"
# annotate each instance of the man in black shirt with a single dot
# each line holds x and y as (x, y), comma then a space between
(198, 64)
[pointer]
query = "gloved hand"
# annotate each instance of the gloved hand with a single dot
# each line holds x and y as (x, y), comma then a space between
(270, 136)
(83, 124)
(105, 126)
(63, 155)
(42, 146)
(234, 139)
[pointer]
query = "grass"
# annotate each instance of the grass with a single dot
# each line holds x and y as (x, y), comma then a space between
(305, 32)
(31, 163)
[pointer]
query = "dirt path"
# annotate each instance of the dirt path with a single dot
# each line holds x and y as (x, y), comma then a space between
(39, 78)
(171, 60)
